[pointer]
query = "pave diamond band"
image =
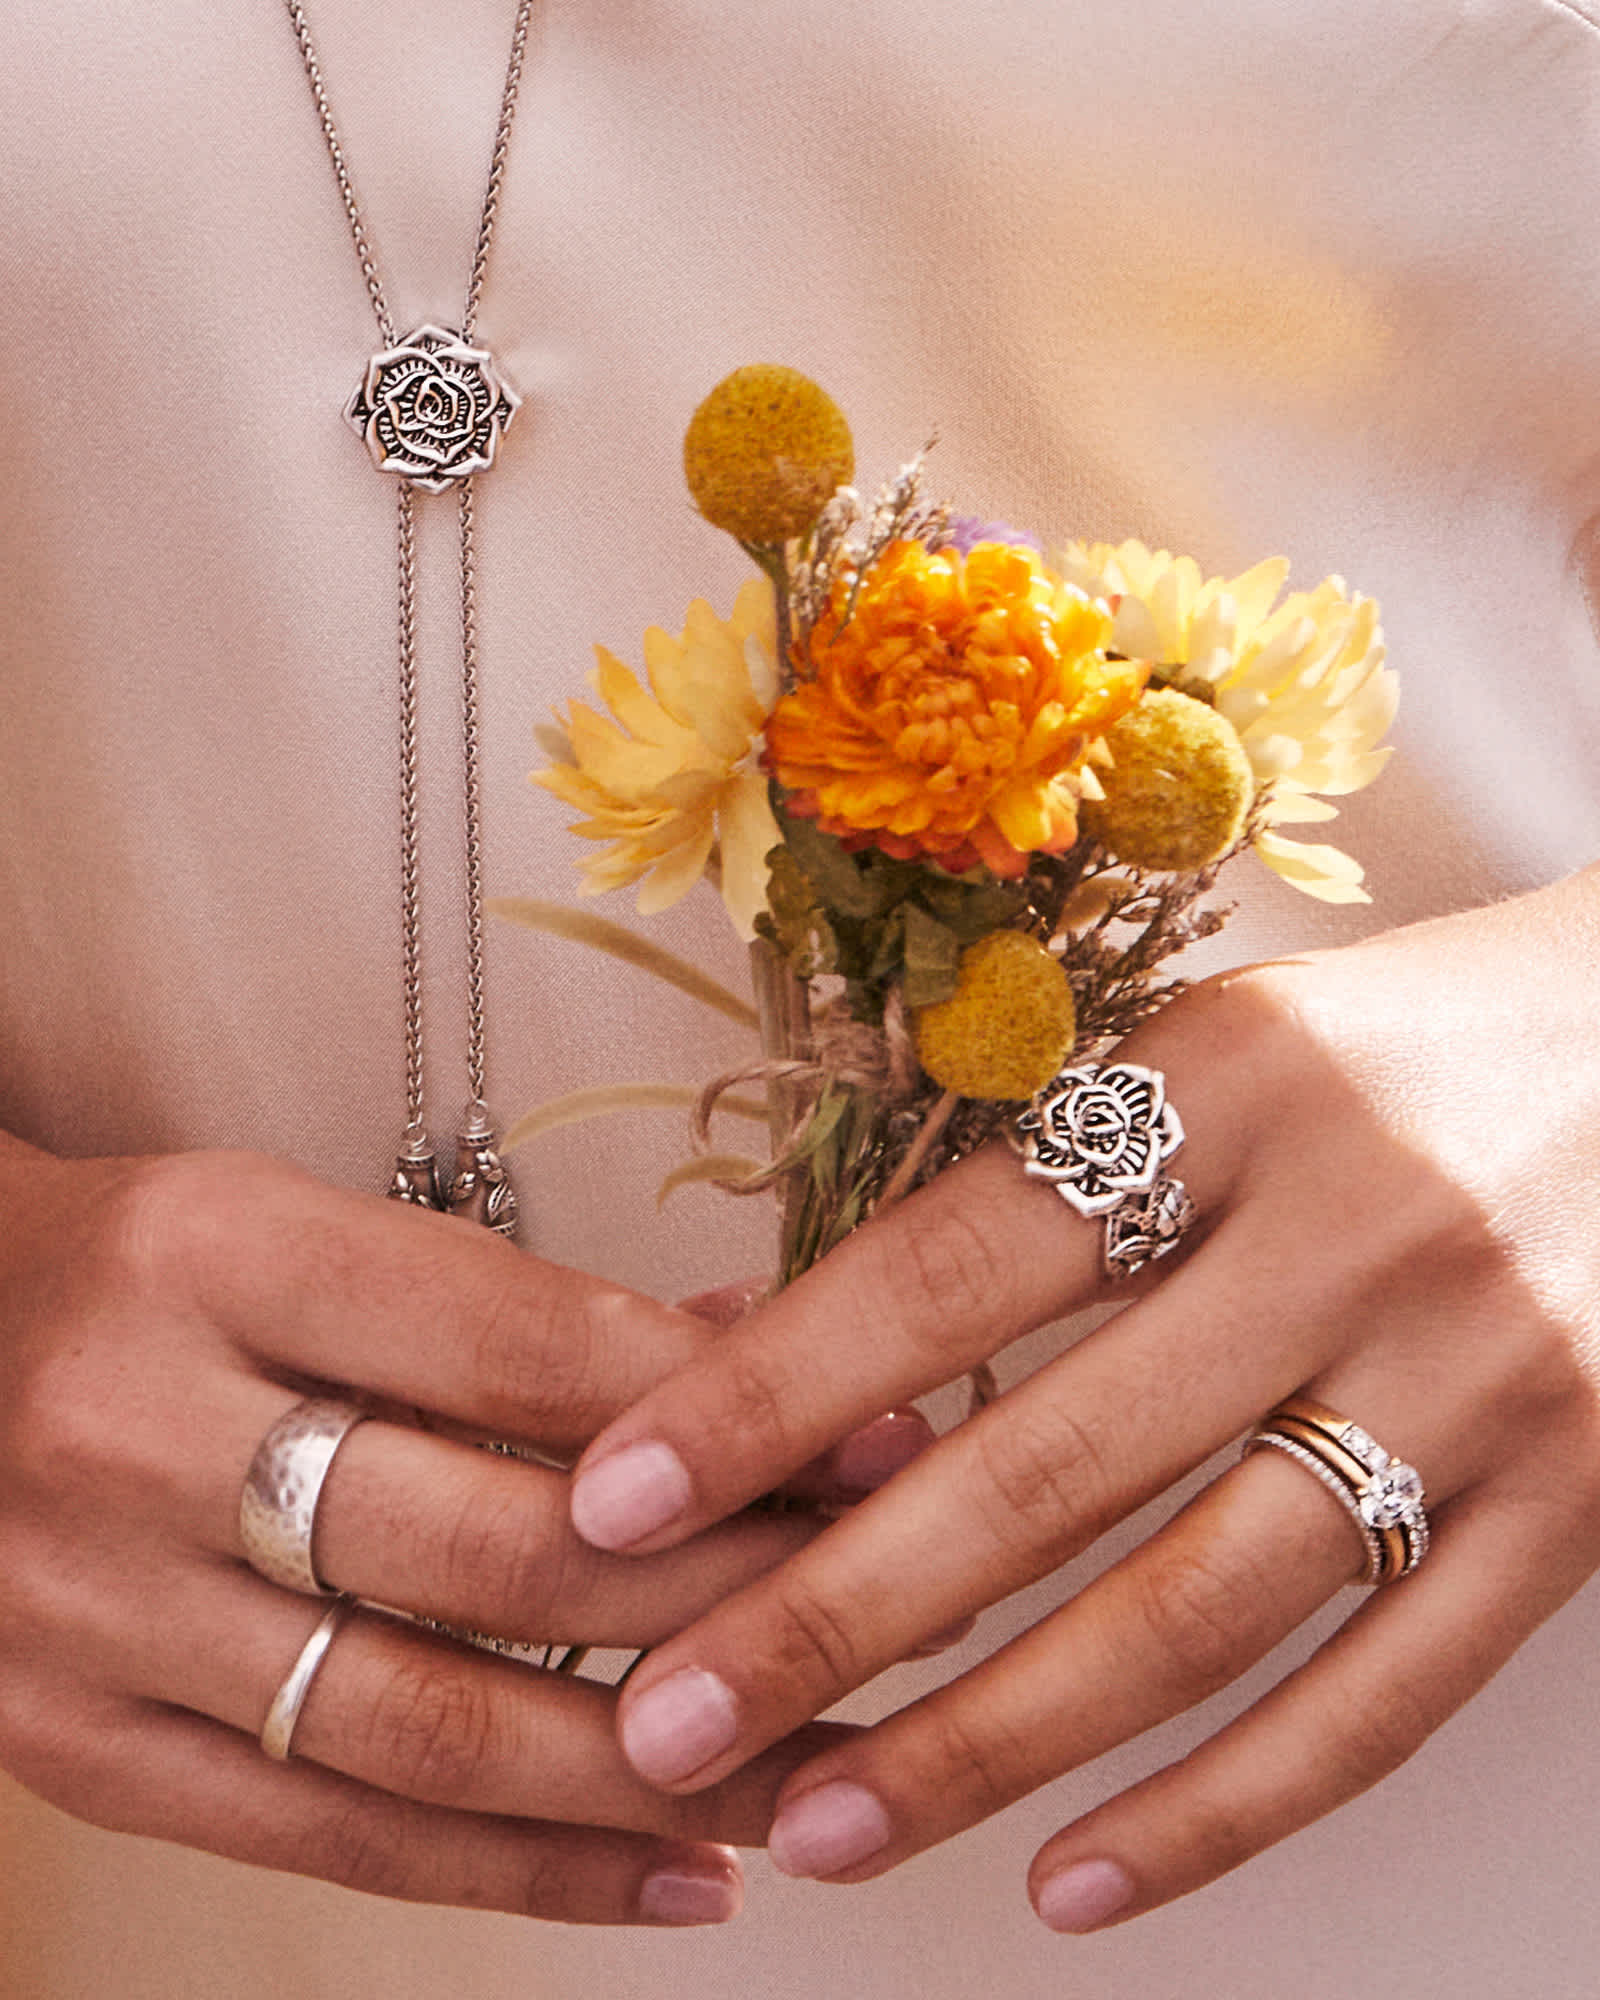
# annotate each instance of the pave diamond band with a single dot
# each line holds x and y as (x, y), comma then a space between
(1303, 1455)
(1101, 1135)
(1382, 1495)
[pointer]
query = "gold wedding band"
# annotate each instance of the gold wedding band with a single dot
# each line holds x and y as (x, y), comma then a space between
(277, 1732)
(1382, 1495)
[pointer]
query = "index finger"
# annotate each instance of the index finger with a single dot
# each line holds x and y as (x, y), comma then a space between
(973, 1261)
(316, 1281)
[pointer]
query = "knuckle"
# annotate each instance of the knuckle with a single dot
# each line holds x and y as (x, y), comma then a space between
(755, 1403)
(815, 1646)
(945, 1273)
(551, 1882)
(1374, 1738)
(434, 1728)
(1193, 1613)
(1046, 1479)
(164, 1219)
(532, 1349)
(502, 1565)
(985, 1768)
(359, 1848)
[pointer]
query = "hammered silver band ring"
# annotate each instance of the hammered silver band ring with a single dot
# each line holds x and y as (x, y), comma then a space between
(278, 1505)
(1382, 1495)
(277, 1732)
(1101, 1135)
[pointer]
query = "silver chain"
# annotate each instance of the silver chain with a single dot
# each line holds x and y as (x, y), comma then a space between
(477, 1124)
(472, 796)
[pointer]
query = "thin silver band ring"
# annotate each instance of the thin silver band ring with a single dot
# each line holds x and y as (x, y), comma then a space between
(277, 1732)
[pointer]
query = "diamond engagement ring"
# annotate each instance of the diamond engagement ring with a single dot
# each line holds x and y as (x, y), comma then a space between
(278, 1506)
(1101, 1134)
(1382, 1495)
(277, 1732)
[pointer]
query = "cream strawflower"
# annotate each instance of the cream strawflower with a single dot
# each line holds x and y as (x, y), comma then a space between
(1304, 685)
(671, 777)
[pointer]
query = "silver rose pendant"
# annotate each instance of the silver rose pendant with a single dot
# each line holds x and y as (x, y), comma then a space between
(434, 409)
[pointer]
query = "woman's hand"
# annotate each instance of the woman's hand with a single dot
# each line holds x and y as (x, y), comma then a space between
(1395, 1153)
(159, 1316)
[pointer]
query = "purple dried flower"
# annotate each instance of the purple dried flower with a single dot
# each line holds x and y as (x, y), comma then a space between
(966, 531)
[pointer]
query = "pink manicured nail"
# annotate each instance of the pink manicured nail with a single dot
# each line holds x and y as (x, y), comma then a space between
(629, 1495)
(670, 1730)
(941, 1642)
(871, 1457)
(828, 1830)
(1084, 1895)
(677, 1896)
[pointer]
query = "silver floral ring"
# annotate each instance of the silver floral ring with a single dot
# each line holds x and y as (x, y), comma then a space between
(1101, 1135)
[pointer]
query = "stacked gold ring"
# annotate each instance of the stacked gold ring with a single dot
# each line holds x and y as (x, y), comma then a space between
(1382, 1495)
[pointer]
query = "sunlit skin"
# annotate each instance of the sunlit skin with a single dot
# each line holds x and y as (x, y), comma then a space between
(1373, 1138)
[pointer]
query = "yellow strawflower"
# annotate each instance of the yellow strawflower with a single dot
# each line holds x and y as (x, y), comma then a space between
(1304, 685)
(670, 778)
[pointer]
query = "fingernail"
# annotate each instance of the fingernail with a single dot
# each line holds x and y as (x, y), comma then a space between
(629, 1495)
(1084, 1895)
(670, 1730)
(679, 1896)
(871, 1457)
(941, 1642)
(828, 1830)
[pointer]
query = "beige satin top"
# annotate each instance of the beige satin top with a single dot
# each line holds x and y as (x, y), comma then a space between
(1241, 277)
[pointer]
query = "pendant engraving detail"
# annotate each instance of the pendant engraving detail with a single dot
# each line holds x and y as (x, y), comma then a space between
(481, 1190)
(416, 1177)
(434, 409)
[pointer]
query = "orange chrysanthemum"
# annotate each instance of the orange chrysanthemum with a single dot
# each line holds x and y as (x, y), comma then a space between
(950, 712)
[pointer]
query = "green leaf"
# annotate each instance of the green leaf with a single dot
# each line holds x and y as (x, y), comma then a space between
(840, 885)
(974, 909)
(889, 943)
(823, 1124)
(795, 922)
(932, 958)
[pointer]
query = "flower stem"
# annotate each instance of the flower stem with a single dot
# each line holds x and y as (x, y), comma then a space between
(904, 1176)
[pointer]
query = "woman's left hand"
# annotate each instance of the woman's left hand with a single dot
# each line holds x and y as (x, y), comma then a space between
(1394, 1150)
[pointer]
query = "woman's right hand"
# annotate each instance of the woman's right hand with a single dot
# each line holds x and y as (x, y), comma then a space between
(159, 1316)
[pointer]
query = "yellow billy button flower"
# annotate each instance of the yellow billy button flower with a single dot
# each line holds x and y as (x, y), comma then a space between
(671, 777)
(1178, 789)
(1009, 1025)
(764, 454)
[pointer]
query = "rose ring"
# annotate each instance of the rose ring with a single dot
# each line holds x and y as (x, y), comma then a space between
(1382, 1495)
(278, 1507)
(1101, 1135)
(277, 1732)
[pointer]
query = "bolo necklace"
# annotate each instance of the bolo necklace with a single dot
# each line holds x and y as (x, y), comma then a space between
(432, 407)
